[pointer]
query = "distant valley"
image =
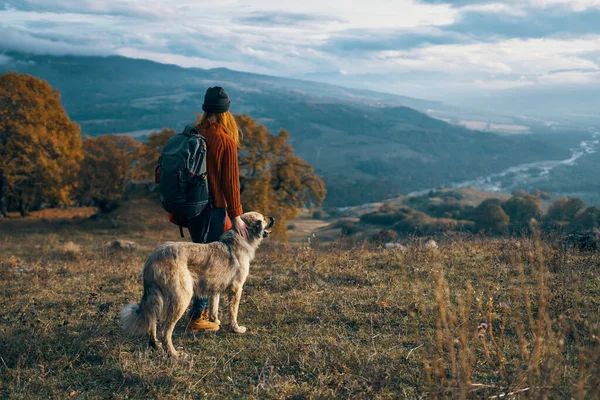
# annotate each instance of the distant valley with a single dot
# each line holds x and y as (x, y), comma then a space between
(368, 146)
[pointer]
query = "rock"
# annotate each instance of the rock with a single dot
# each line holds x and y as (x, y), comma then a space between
(430, 245)
(122, 244)
(394, 246)
(584, 240)
(21, 270)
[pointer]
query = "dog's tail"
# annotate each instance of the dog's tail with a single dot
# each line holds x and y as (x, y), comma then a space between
(136, 319)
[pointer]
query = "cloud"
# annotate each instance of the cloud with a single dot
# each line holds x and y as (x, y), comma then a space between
(459, 3)
(417, 46)
(135, 9)
(576, 5)
(543, 23)
(359, 41)
(445, 71)
(357, 14)
(501, 84)
(15, 40)
(529, 56)
(571, 77)
(511, 5)
(494, 9)
(284, 18)
(4, 59)
(183, 61)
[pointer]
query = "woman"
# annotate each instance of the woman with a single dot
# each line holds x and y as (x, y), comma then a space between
(219, 128)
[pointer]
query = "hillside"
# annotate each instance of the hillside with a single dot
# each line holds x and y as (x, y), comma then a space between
(367, 146)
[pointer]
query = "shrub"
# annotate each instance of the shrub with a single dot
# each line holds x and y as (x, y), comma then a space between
(387, 208)
(541, 194)
(490, 217)
(350, 228)
(387, 216)
(422, 224)
(521, 210)
(449, 208)
(589, 219)
(564, 210)
(384, 236)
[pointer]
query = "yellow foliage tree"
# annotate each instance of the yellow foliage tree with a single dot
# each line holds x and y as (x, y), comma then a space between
(149, 153)
(273, 179)
(109, 165)
(40, 147)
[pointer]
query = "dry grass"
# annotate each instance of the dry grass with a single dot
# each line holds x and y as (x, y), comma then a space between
(57, 213)
(474, 319)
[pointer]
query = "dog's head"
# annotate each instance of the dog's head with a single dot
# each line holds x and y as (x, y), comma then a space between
(258, 225)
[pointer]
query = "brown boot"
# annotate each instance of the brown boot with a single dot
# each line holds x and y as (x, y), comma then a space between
(203, 324)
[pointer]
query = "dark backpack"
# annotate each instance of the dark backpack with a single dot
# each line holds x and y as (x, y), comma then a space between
(181, 175)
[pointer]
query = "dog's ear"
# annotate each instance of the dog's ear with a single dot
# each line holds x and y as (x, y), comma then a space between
(271, 222)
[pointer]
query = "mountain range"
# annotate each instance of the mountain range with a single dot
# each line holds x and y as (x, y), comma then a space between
(367, 145)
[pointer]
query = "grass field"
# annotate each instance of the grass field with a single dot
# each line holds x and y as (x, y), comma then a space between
(477, 318)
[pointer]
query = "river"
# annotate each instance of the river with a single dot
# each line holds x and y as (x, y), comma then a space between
(530, 173)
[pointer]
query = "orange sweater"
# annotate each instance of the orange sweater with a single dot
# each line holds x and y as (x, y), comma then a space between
(223, 170)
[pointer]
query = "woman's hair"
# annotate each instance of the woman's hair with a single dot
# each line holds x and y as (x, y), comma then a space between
(226, 120)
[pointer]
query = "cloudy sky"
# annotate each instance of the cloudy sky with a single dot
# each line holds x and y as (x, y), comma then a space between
(426, 48)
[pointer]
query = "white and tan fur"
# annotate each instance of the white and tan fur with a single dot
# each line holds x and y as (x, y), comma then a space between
(175, 271)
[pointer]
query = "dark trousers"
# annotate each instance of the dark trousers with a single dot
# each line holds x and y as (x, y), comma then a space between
(212, 219)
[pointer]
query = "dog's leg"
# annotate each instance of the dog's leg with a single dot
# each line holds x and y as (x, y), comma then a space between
(167, 333)
(178, 302)
(234, 304)
(213, 308)
(152, 340)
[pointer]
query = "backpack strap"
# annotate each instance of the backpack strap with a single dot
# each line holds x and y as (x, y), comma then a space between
(181, 231)
(203, 166)
(193, 130)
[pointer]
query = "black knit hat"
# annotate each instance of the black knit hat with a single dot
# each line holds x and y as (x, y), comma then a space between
(216, 100)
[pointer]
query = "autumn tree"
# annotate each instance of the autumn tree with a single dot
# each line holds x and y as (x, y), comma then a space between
(273, 179)
(149, 152)
(109, 165)
(40, 147)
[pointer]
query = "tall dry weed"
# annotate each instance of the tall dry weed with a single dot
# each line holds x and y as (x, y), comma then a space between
(508, 340)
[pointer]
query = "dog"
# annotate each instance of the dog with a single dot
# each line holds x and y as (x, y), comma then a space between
(175, 271)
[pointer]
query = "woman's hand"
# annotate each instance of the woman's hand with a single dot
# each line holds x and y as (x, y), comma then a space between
(240, 227)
